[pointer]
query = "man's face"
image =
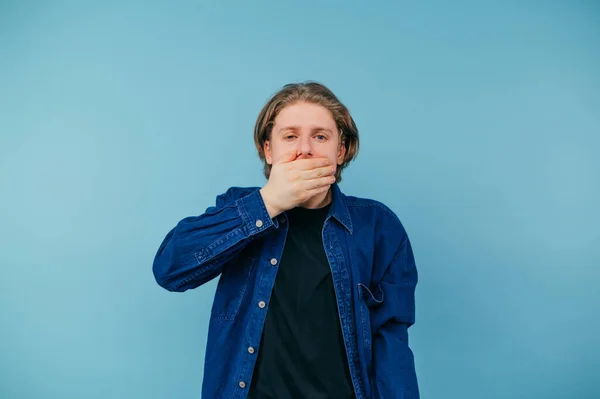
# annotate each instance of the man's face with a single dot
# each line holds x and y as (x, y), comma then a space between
(307, 128)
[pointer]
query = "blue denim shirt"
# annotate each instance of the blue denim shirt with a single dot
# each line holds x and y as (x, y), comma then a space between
(373, 272)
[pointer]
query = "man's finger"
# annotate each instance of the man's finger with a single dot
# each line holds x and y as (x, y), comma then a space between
(320, 182)
(288, 156)
(318, 172)
(313, 163)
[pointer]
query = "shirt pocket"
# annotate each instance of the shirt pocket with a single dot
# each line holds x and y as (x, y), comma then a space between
(232, 287)
(369, 298)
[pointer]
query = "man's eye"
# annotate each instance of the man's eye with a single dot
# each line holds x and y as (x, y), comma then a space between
(321, 137)
(289, 137)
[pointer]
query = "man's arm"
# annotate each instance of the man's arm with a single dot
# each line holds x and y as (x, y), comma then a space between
(197, 248)
(394, 367)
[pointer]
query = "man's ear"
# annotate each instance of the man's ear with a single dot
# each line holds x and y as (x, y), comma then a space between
(267, 151)
(341, 152)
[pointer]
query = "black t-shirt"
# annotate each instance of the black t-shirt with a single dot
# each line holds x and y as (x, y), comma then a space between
(301, 354)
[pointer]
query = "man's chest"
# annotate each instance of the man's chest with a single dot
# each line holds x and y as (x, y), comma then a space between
(304, 272)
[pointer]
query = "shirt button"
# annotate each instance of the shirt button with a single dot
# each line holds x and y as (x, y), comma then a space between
(259, 223)
(262, 304)
(282, 220)
(273, 261)
(250, 350)
(242, 384)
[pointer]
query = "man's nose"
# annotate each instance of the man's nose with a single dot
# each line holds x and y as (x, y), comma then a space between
(304, 147)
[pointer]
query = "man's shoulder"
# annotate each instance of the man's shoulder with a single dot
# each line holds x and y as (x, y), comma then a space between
(237, 192)
(364, 203)
(233, 194)
(366, 209)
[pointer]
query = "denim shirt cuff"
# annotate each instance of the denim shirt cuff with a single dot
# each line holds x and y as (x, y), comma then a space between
(254, 213)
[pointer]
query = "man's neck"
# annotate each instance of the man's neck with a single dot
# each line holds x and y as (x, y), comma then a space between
(318, 201)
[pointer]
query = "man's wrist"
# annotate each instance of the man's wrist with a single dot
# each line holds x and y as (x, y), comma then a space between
(273, 211)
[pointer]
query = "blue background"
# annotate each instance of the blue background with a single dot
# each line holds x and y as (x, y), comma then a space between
(480, 128)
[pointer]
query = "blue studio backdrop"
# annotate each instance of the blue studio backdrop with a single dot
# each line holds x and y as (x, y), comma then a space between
(480, 128)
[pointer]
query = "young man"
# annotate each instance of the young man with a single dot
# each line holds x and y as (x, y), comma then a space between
(316, 288)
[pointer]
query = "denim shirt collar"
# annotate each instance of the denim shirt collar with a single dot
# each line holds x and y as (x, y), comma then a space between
(339, 208)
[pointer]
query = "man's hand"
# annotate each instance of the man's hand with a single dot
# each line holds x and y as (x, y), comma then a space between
(293, 181)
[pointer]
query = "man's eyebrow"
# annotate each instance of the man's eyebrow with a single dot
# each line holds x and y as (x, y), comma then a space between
(287, 128)
(296, 128)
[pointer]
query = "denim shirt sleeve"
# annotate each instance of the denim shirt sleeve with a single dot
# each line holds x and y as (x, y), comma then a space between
(196, 249)
(394, 368)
